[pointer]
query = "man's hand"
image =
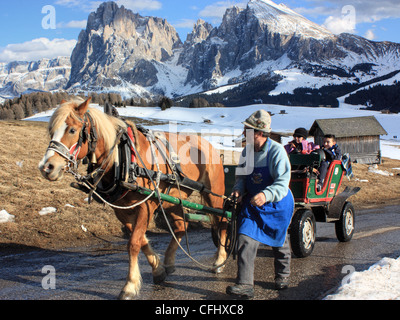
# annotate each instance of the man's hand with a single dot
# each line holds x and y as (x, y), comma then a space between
(236, 194)
(258, 200)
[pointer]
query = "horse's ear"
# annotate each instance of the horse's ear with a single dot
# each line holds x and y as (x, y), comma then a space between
(82, 109)
(63, 101)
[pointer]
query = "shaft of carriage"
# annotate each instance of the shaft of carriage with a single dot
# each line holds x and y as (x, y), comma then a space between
(184, 203)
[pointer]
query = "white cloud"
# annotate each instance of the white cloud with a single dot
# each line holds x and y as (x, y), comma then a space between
(345, 23)
(134, 5)
(185, 23)
(337, 25)
(68, 3)
(367, 10)
(370, 35)
(217, 10)
(72, 24)
(37, 49)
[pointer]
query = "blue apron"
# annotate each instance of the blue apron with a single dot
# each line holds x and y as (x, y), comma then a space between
(269, 223)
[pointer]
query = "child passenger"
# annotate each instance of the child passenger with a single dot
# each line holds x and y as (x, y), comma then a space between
(299, 144)
(332, 152)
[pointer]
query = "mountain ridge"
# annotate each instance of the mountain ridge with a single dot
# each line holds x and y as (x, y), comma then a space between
(121, 51)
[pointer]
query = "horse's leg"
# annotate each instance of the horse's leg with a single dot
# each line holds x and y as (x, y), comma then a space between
(159, 273)
(220, 225)
(179, 232)
(221, 254)
(138, 228)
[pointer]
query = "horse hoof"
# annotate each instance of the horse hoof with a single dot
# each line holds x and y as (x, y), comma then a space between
(169, 269)
(159, 278)
(126, 296)
(219, 270)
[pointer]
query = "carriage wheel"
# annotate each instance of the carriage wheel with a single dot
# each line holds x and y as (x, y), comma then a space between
(345, 226)
(302, 233)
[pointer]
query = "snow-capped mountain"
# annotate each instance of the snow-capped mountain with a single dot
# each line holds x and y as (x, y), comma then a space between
(120, 51)
(281, 19)
(43, 75)
(144, 55)
(266, 37)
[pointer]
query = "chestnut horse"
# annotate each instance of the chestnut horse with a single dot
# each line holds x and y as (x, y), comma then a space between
(67, 127)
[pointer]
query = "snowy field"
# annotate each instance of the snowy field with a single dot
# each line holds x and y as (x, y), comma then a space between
(222, 125)
(226, 122)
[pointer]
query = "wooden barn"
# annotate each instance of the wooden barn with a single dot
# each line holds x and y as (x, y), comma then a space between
(359, 136)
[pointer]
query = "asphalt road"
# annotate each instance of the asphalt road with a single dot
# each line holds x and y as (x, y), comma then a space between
(98, 273)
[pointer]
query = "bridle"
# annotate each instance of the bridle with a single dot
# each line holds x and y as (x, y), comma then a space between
(87, 134)
(71, 155)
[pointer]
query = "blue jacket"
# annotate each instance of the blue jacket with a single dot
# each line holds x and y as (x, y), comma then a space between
(333, 153)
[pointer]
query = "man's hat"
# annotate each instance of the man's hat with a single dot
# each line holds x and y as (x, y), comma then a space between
(259, 120)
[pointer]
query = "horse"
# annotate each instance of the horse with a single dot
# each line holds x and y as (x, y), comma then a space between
(78, 131)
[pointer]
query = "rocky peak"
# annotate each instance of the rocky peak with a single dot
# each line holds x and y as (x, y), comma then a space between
(116, 43)
(263, 31)
(201, 31)
(122, 50)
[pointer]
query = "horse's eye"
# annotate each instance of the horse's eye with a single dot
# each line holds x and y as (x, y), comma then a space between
(72, 131)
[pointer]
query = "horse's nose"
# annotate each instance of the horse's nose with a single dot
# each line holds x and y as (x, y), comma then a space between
(46, 168)
(49, 168)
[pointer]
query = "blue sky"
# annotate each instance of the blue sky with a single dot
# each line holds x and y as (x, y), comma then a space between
(24, 37)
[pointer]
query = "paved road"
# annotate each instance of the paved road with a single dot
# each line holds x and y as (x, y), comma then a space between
(98, 273)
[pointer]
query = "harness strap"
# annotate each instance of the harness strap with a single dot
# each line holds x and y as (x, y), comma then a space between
(177, 176)
(92, 137)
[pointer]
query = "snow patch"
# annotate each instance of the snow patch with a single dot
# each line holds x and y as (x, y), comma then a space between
(46, 211)
(6, 217)
(380, 282)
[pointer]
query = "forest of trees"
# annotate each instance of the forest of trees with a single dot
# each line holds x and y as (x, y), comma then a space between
(256, 90)
(29, 104)
(379, 97)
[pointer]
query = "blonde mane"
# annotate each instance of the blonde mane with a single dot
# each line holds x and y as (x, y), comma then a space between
(106, 125)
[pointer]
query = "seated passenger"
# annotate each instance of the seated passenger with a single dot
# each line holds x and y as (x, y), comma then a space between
(300, 144)
(332, 152)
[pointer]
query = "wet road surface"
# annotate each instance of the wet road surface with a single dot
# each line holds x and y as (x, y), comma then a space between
(98, 273)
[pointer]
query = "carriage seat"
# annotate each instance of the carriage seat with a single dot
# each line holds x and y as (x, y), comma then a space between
(303, 164)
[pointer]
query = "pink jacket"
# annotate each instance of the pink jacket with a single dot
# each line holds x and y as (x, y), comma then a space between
(307, 146)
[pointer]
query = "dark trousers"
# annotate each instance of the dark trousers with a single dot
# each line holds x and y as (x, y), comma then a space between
(247, 252)
(323, 169)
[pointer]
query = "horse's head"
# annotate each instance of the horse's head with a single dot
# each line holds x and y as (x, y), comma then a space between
(68, 129)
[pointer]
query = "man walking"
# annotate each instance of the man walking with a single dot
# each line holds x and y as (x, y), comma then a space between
(262, 186)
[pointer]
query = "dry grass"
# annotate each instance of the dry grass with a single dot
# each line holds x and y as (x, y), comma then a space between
(24, 192)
